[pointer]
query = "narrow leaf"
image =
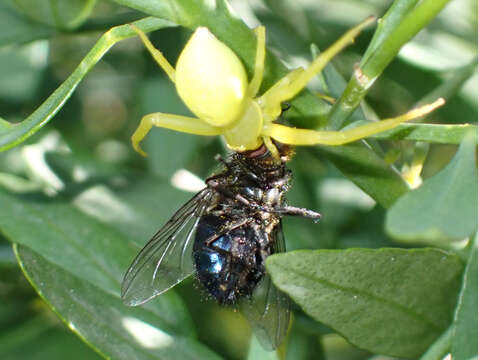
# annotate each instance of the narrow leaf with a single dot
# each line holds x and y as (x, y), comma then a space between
(15, 134)
(390, 301)
(431, 133)
(444, 207)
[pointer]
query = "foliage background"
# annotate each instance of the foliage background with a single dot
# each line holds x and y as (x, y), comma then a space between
(79, 203)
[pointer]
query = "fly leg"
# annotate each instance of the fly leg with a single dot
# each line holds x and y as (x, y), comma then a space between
(296, 211)
(227, 229)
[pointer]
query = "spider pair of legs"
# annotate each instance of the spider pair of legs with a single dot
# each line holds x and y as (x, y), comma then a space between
(270, 103)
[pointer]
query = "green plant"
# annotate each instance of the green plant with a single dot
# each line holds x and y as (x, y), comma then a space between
(77, 203)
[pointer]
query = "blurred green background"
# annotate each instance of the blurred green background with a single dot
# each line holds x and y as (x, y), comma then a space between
(83, 158)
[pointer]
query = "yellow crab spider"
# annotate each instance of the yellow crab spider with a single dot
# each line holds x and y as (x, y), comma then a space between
(212, 82)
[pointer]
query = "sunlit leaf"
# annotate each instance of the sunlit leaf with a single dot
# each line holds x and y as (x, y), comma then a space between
(102, 320)
(388, 301)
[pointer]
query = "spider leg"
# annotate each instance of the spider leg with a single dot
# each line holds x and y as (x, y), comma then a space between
(174, 122)
(271, 147)
(294, 136)
(156, 54)
(256, 80)
(285, 90)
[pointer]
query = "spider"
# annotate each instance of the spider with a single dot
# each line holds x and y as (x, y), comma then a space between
(212, 82)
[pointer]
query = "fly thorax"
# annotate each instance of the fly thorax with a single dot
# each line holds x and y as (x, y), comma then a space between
(272, 197)
(252, 193)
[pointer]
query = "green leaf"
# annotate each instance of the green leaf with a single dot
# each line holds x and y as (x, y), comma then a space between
(389, 301)
(116, 331)
(367, 170)
(43, 341)
(444, 207)
(464, 344)
(14, 134)
(92, 251)
(431, 133)
(257, 352)
(17, 29)
(303, 344)
(20, 76)
(59, 13)
(161, 143)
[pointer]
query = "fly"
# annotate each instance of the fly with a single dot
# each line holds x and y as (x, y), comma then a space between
(224, 235)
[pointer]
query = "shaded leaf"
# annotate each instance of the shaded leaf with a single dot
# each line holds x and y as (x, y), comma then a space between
(368, 171)
(102, 320)
(464, 344)
(20, 76)
(43, 341)
(161, 143)
(432, 133)
(16, 28)
(444, 207)
(11, 135)
(389, 301)
(59, 13)
(257, 352)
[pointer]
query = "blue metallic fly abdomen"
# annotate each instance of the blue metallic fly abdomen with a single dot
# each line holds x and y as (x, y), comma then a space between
(229, 265)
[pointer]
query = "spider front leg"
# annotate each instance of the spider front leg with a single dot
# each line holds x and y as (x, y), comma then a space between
(294, 136)
(174, 122)
(256, 80)
(156, 54)
(291, 84)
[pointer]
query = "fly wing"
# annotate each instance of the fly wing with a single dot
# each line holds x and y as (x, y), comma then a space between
(166, 259)
(268, 310)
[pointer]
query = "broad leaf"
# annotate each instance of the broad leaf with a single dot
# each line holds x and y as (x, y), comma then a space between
(102, 320)
(389, 301)
(444, 207)
(92, 251)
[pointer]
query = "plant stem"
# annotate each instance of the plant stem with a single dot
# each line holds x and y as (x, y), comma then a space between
(379, 58)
